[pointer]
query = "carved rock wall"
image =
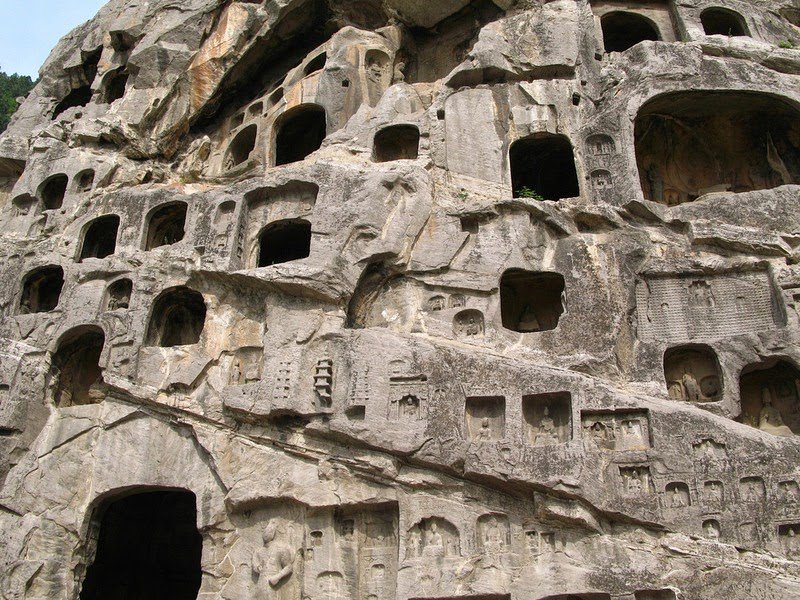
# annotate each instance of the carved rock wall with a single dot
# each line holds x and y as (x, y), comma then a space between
(483, 300)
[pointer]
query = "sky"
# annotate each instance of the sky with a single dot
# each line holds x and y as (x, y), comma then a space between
(30, 28)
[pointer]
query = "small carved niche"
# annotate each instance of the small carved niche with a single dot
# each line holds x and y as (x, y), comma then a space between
(437, 303)
(52, 191)
(493, 533)
(789, 492)
(769, 397)
(246, 366)
(76, 365)
(677, 495)
(752, 489)
(41, 290)
(531, 302)
(540, 543)
(709, 451)
(378, 67)
(468, 323)
(166, 225)
(748, 532)
(616, 430)
(84, 181)
(323, 382)
(547, 418)
(118, 295)
(241, 147)
(789, 537)
(397, 142)
(600, 144)
(714, 494)
(693, 374)
(711, 529)
(223, 223)
(485, 418)
(433, 537)
(636, 481)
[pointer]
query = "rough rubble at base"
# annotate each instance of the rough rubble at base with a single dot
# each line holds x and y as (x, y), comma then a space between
(387, 299)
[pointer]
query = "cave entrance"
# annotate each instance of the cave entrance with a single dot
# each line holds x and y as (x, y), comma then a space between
(148, 547)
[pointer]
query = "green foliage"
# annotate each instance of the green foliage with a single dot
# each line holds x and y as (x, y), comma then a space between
(526, 192)
(463, 195)
(788, 44)
(11, 87)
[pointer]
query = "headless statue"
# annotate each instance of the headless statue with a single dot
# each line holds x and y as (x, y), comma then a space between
(769, 419)
(272, 564)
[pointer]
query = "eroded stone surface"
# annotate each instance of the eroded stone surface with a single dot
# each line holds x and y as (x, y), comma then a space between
(389, 299)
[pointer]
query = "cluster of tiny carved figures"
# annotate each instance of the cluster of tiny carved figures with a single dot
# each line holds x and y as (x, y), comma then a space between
(391, 300)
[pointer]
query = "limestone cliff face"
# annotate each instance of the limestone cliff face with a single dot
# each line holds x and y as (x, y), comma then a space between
(388, 299)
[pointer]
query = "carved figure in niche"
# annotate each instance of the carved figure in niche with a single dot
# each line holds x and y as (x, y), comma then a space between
(635, 480)
(547, 433)
(600, 144)
(599, 432)
(701, 295)
(485, 432)
(493, 533)
(752, 489)
(678, 495)
(692, 374)
(789, 492)
(770, 397)
(713, 492)
(330, 586)
(528, 322)
(272, 564)
(711, 529)
(399, 75)
(436, 303)
(458, 301)
(434, 545)
(601, 179)
(432, 538)
(790, 540)
(769, 419)
(485, 418)
(468, 323)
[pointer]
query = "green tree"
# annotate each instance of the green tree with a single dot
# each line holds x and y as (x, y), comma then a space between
(11, 87)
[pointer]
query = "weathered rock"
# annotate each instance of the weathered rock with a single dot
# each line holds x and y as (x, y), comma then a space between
(384, 299)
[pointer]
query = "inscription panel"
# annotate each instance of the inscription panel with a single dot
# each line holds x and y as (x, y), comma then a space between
(705, 306)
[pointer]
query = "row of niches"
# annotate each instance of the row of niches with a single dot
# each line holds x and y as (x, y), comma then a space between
(300, 131)
(147, 541)
(749, 141)
(624, 27)
(51, 192)
(769, 391)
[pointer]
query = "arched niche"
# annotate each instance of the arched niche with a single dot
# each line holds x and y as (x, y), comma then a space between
(177, 318)
(722, 21)
(692, 143)
(530, 301)
(76, 367)
(299, 132)
(284, 241)
(543, 167)
(52, 191)
(316, 64)
(769, 396)
(84, 180)
(433, 537)
(118, 294)
(693, 374)
(166, 225)
(100, 237)
(396, 142)
(148, 546)
(622, 30)
(114, 85)
(241, 146)
(41, 289)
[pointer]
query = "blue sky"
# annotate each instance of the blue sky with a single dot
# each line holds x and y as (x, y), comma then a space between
(30, 28)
